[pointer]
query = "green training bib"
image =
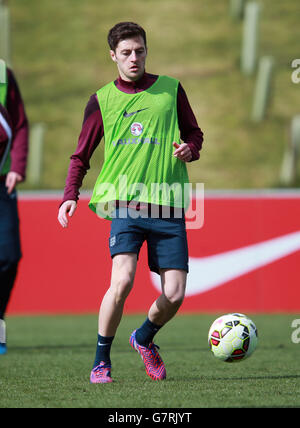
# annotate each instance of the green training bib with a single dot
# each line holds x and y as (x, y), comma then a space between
(139, 131)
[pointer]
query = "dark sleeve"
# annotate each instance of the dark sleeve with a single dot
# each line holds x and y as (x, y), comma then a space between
(190, 132)
(20, 127)
(91, 133)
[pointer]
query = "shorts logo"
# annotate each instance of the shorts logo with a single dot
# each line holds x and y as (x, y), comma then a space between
(112, 241)
(136, 129)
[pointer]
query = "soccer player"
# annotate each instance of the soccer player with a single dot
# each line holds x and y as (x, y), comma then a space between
(142, 117)
(13, 158)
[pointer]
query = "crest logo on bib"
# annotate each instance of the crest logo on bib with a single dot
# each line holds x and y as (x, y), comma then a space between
(136, 129)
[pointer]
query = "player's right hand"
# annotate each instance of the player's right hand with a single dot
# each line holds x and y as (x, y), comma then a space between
(68, 207)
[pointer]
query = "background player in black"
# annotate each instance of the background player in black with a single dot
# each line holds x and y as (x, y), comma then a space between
(10, 250)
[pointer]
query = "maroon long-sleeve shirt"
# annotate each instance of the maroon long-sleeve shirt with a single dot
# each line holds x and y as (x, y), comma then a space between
(20, 128)
(92, 132)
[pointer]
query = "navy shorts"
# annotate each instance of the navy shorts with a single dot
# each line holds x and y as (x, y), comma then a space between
(10, 248)
(166, 239)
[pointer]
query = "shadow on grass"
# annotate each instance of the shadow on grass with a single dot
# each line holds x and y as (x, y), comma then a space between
(257, 377)
(232, 378)
(120, 347)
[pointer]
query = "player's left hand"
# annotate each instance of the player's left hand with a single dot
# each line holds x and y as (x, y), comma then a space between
(182, 152)
(12, 179)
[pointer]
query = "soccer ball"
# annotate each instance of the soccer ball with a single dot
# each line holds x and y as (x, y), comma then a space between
(232, 337)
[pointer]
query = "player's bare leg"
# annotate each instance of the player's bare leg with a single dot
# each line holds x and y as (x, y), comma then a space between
(110, 313)
(173, 283)
(122, 277)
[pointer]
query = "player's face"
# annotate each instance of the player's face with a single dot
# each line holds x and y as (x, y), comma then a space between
(130, 56)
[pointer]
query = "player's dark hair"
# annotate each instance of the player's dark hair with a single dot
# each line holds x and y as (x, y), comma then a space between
(122, 31)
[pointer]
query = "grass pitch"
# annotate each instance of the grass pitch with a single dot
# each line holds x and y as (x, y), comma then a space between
(49, 361)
